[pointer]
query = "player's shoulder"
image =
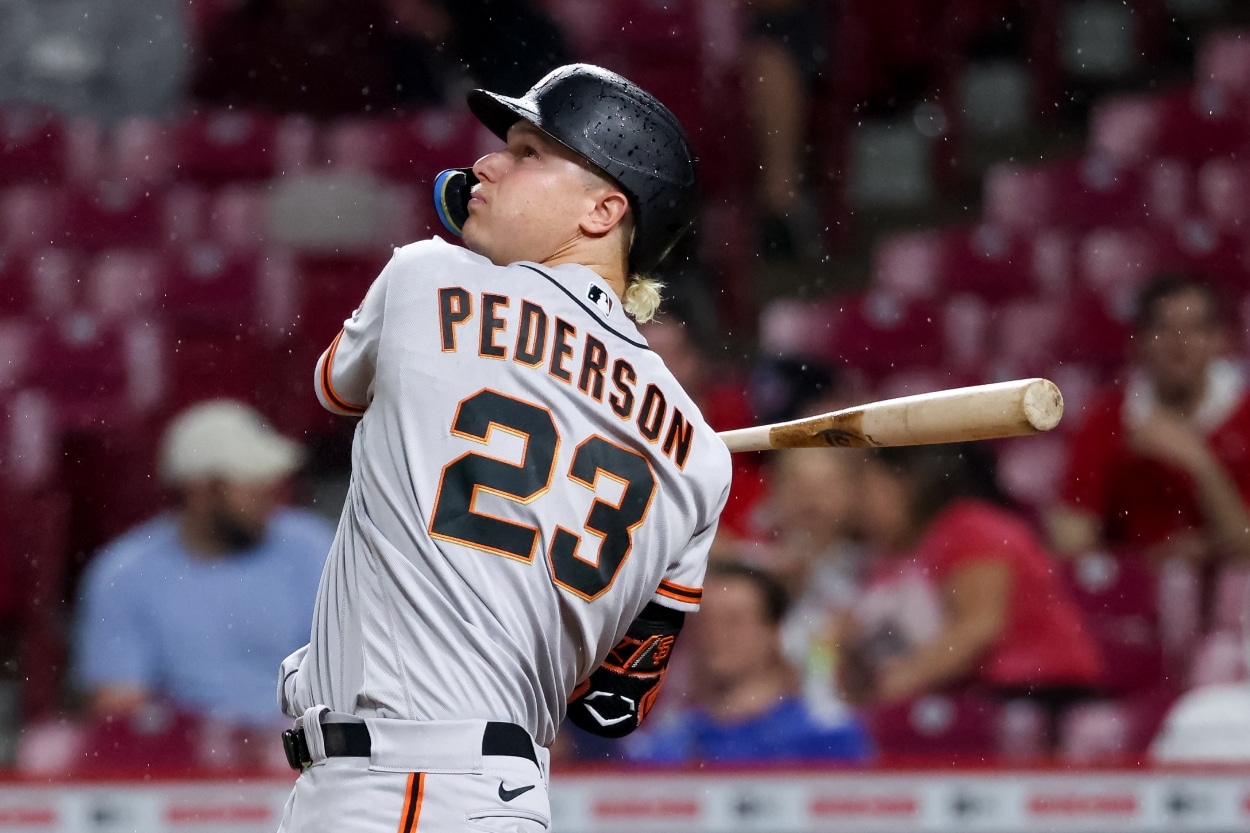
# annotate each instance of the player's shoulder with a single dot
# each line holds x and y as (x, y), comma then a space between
(434, 252)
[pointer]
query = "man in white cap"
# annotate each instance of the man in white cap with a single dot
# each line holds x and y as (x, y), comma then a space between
(196, 607)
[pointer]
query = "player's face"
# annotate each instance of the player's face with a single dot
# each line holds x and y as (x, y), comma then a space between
(530, 200)
(1180, 342)
(734, 635)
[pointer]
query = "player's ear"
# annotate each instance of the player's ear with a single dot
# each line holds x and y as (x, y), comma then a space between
(608, 211)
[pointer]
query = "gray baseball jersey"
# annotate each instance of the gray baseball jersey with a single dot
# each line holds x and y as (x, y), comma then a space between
(526, 477)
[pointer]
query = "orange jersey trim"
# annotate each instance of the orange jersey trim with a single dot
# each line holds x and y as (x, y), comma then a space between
(327, 386)
(679, 592)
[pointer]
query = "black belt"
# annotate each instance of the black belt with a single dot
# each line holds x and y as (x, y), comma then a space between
(351, 740)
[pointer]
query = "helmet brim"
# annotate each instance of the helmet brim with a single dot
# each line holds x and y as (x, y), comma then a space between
(499, 112)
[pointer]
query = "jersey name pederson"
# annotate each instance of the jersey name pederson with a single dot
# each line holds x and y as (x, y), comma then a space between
(541, 342)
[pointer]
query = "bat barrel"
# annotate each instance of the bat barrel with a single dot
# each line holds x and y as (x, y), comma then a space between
(982, 412)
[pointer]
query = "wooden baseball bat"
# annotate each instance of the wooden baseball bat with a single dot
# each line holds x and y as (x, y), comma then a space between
(981, 412)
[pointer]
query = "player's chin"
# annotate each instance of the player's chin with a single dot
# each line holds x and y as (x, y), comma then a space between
(479, 244)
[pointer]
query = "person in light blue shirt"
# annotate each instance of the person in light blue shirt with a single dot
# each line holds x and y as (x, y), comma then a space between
(197, 607)
(748, 707)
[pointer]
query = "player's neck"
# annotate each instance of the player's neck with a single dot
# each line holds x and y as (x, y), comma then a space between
(612, 273)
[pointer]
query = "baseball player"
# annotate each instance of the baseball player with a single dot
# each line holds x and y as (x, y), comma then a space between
(532, 494)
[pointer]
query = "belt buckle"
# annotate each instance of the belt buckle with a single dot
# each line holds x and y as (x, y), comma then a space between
(296, 748)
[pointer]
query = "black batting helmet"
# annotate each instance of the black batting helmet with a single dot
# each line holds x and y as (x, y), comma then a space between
(622, 130)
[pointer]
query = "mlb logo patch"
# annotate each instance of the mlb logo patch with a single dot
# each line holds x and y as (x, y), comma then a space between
(599, 298)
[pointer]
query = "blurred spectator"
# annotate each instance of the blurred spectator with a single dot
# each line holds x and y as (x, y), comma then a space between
(318, 57)
(443, 47)
(789, 387)
(963, 594)
(101, 59)
(1161, 464)
(787, 53)
(749, 709)
(198, 607)
(810, 507)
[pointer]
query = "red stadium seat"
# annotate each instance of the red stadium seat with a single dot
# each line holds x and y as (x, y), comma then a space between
(1200, 122)
(1054, 255)
(1202, 249)
(966, 334)
(36, 522)
(1016, 196)
(1170, 192)
(1223, 189)
(1220, 658)
(874, 336)
(39, 284)
(31, 439)
(1125, 129)
(206, 281)
(238, 217)
(1026, 336)
(141, 150)
(1114, 263)
(32, 145)
(1117, 595)
(224, 146)
(988, 261)
(951, 726)
(1231, 609)
(1092, 191)
(115, 214)
(358, 145)
(230, 320)
(33, 217)
(1030, 469)
(1079, 382)
(908, 266)
(417, 147)
(1114, 731)
(17, 292)
(1223, 61)
(98, 374)
(123, 284)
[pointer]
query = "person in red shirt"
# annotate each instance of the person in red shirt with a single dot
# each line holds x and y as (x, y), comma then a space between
(963, 595)
(1161, 461)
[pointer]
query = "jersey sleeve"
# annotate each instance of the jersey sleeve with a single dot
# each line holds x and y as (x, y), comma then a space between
(681, 588)
(344, 375)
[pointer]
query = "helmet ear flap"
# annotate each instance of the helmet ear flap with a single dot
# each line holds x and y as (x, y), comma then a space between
(452, 189)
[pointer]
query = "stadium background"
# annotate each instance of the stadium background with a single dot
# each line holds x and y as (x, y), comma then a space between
(992, 181)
